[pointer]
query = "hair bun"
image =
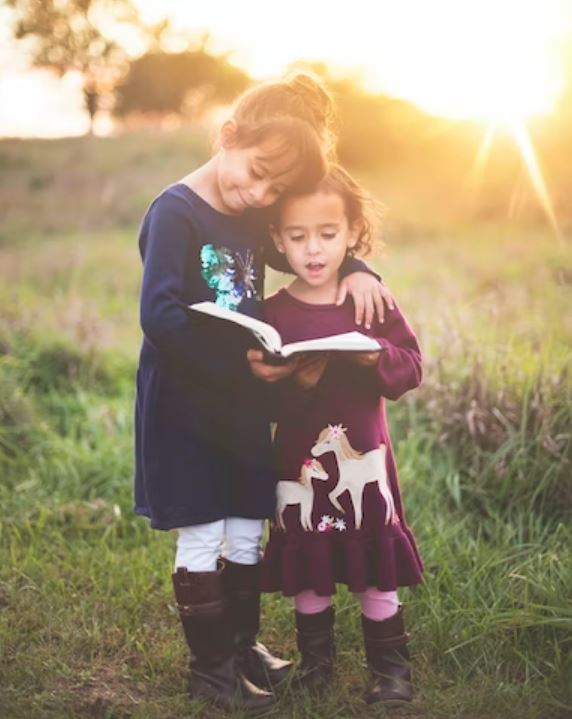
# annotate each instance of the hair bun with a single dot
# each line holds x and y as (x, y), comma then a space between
(314, 96)
(297, 108)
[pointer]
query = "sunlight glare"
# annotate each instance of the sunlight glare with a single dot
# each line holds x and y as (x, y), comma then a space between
(522, 138)
(488, 59)
(477, 170)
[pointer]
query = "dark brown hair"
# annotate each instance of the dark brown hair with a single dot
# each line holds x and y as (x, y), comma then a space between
(360, 206)
(298, 112)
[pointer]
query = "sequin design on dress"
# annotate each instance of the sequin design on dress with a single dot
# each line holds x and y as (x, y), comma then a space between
(230, 275)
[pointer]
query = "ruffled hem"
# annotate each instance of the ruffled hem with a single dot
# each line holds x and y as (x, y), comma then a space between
(319, 560)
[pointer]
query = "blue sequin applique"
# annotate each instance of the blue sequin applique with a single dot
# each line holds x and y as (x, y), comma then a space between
(231, 277)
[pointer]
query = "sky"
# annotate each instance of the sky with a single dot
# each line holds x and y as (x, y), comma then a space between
(476, 58)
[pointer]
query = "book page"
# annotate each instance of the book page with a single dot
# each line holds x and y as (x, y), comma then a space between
(348, 341)
(264, 333)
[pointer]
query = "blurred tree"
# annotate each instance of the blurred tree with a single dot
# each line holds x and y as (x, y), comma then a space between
(68, 35)
(185, 83)
(373, 128)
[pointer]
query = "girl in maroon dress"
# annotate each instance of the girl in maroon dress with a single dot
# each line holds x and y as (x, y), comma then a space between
(339, 515)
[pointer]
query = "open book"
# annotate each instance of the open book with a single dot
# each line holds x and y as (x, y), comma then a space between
(270, 339)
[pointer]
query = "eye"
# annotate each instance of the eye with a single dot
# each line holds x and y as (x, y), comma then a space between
(329, 235)
(255, 173)
(296, 238)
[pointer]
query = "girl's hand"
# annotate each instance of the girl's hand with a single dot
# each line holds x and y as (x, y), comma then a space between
(311, 368)
(364, 359)
(269, 372)
(368, 295)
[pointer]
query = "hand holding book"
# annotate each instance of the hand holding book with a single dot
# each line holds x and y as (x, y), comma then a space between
(271, 372)
(311, 368)
(365, 359)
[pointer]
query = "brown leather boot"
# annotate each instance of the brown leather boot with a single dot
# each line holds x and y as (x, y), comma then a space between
(315, 639)
(388, 660)
(204, 616)
(257, 664)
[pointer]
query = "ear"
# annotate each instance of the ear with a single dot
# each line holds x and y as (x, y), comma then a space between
(227, 133)
(277, 239)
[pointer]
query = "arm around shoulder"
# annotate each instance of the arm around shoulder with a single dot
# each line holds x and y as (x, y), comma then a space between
(354, 264)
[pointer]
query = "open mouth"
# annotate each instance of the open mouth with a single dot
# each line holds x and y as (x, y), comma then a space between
(315, 267)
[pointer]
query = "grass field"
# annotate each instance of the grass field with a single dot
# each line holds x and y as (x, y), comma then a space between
(88, 626)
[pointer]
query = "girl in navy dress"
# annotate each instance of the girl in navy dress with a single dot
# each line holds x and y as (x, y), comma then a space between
(339, 515)
(203, 461)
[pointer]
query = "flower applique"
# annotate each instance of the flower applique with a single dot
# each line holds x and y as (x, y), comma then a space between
(326, 524)
(230, 275)
(329, 524)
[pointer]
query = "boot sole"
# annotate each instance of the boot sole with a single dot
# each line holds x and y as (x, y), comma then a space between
(389, 702)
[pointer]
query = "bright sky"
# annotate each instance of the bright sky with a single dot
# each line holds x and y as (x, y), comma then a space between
(498, 59)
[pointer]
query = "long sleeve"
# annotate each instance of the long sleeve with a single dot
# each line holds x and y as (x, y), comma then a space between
(399, 367)
(166, 248)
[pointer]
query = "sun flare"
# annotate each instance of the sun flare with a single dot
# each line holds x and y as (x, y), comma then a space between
(493, 61)
(499, 61)
(489, 59)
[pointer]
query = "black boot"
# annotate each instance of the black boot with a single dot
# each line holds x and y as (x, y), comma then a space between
(388, 660)
(315, 639)
(241, 585)
(204, 615)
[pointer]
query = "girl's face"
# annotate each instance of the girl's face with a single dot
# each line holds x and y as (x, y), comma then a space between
(314, 233)
(252, 177)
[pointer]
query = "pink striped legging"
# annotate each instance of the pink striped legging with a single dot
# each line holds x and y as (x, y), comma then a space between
(375, 605)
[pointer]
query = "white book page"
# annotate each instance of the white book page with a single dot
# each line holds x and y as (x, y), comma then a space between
(348, 341)
(266, 334)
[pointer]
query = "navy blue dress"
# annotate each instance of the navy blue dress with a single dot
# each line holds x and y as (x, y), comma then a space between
(202, 433)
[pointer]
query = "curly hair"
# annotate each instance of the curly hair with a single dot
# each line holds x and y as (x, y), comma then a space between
(360, 207)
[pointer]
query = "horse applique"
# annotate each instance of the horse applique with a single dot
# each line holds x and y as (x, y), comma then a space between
(300, 492)
(356, 469)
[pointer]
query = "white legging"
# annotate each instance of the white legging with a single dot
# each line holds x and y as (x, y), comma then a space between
(236, 538)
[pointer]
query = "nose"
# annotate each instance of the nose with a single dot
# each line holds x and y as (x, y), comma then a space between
(259, 193)
(313, 245)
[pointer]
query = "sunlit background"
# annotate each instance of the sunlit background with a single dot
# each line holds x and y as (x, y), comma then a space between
(459, 58)
(457, 116)
(500, 65)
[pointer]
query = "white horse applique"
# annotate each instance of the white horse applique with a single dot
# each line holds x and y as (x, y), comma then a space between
(356, 469)
(300, 492)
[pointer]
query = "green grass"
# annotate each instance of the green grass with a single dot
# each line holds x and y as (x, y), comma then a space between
(88, 626)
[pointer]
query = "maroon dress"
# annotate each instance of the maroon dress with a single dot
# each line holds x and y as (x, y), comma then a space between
(339, 515)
